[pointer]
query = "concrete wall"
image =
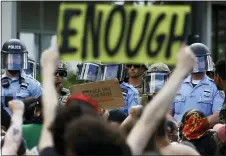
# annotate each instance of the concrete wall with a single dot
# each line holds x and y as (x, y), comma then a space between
(9, 21)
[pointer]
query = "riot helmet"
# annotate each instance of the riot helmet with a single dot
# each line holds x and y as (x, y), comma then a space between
(89, 72)
(32, 68)
(61, 69)
(156, 77)
(113, 71)
(14, 55)
(204, 60)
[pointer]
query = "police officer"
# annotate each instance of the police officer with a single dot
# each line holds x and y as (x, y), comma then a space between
(15, 84)
(198, 91)
(32, 68)
(60, 73)
(135, 76)
(130, 94)
(155, 78)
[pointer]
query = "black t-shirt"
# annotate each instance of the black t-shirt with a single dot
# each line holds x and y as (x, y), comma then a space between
(49, 151)
(223, 112)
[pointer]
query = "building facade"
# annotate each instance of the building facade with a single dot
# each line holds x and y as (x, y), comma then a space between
(35, 23)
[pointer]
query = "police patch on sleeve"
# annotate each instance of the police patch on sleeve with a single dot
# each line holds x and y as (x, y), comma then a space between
(222, 94)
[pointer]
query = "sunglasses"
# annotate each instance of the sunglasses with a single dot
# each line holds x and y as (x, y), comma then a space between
(134, 65)
(60, 73)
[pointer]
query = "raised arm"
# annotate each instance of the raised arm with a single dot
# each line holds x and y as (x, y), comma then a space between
(159, 106)
(12, 139)
(48, 61)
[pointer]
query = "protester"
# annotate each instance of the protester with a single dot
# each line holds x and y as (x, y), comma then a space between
(76, 106)
(88, 135)
(32, 131)
(77, 128)
(149, 121)
(173, 133)
(220, 80)
(49, 138)
(195, 128)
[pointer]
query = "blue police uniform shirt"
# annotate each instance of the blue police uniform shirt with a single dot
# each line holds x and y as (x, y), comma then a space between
(131, 97)
(19, 92)
(204, 97)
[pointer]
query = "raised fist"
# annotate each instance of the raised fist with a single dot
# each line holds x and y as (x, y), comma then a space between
(16, 106)
(50, 56)
(186, 60)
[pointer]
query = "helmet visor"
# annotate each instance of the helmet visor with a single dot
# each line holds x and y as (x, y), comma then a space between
(204, 63)
(155, 81)
(110, 72)
(14, 61)
(88, 72)
(30, 68)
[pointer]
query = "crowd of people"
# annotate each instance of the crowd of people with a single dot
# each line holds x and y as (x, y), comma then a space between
(167, 112)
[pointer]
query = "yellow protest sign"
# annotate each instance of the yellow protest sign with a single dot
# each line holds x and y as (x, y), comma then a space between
(121, 34)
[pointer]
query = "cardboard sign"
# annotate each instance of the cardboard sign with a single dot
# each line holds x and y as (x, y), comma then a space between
(108, 93)
(121, 34)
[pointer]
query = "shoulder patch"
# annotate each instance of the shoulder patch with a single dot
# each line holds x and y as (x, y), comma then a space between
(222, 94)
(124, 90)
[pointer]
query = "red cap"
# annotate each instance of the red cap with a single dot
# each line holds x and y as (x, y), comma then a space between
(84, 98)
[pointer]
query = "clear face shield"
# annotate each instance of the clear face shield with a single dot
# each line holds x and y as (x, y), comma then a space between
(14, 61)
(88, 72)
(113, 71)
(154, 81)
(204, 63)
(31, 69)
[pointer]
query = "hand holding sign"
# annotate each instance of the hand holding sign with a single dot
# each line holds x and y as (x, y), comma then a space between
(121, 34)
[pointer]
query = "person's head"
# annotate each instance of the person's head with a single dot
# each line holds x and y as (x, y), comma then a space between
(220, 76)
(116, 117)
(204, 60)
(14, 57)
(172, 131)
(76, 106)
(60, 73)
(88, 135)
(136, 70)
(30, 106)
(156, 77)
(194, 125)
(38, 115)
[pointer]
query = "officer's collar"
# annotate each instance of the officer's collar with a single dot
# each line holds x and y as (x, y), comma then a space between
(203, 81)
(22, 74)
